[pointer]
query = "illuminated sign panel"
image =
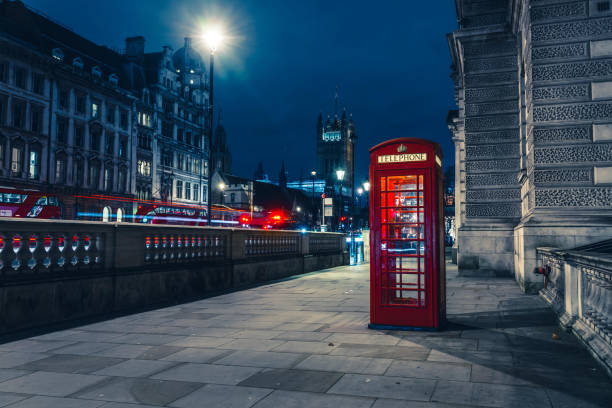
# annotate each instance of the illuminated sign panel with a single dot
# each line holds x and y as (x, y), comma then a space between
(401, 158)
(331, 136)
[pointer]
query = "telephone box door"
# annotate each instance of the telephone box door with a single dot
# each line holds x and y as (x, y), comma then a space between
(404, 270)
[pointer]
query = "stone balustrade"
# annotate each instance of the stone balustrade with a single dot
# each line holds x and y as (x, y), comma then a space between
(55, 271)
(579, 290)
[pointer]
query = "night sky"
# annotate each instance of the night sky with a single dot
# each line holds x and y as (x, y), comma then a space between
(389, 60)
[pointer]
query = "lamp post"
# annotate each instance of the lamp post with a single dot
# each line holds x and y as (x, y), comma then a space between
(213, 38)
(366, 187)
(340, 176)
(314, 221)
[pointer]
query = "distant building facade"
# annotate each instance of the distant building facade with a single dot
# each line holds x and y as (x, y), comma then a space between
(81, 120)
(533, 132)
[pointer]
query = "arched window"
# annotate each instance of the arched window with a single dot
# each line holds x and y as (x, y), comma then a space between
(60, 168)
(106, 214)
(77, 171)
(34, 162)
(119, 214)
(58, 54)
(96, 71)
(113, 79)
(77, 62)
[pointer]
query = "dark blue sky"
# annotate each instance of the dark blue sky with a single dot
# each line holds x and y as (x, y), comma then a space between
(389, 59)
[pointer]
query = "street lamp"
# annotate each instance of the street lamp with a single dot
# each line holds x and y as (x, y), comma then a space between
(313, 174)
(340, 176)
(214, 38)
(366, 187)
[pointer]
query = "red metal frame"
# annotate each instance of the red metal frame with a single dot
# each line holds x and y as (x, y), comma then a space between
(407, 271)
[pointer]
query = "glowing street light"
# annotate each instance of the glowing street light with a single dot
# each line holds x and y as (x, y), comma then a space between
(214, 38)
(359, 190)
(340, 174)
(221, 186)
(366, 185)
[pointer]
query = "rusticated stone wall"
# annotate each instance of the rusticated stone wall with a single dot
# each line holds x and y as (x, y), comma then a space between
(536, 76)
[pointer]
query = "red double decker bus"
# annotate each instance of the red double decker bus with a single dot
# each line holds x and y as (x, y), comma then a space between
(28, 204)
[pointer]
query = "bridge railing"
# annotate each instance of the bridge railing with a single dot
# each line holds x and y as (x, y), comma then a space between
(39, 248)
(579, 289)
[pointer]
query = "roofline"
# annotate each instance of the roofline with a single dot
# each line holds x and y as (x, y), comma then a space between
(434, 145)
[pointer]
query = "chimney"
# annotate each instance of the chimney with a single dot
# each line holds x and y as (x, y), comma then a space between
(134, 47)
(187, 42)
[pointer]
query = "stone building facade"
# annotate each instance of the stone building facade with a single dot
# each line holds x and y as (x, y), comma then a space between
(80, 120)
(533, 132)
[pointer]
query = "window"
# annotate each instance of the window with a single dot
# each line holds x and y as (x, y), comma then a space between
(62, 131)
(3, 71)
(57, 54)
(188, 163)
(144, 140)
(2, 144)
(181, 161)
(60, 169)
(144, 167)
(34, 168)
(113, 79)
(188, 138)
(166, 129)
(179, 135)
(143, 192)
(77, 171)
(16, 159)
(108, 178)
(95, 139)
(36, 117)
(20, 77)
(96, 71)
(232, 197)
(123, 119)
(188, 191)
(94, 174)
(79, 136)
(179, 189)
(603, 6)
(167, 158)
(38, 83)
(110, 114)
(123, 148)
(63, 99)
(167, 105)
(95, 109)
(80, 104)
(122, 180)
(108, 148)
(196, 192)
(19, 111)
(196, 166)
(77, 62)
(3, 103)
(144, 119)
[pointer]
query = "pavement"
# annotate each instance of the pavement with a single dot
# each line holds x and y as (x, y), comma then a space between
(304, 342)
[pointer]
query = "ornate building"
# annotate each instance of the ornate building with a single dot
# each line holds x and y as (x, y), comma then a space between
(533, 132)
(80, 120)
(335, 144)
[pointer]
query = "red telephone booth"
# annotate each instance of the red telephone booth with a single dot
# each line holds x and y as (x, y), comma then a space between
(407, 271)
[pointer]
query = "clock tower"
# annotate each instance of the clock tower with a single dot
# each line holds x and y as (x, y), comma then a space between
(335, 144)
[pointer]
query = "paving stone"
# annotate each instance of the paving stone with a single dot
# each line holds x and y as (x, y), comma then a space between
(140, 391)
(491, 395)
(124, 405)
(207, 373)
(377, 339)
(7, 399)
(426, 369)
(389, 403)
(302, 336)
(34, 346)
(135, 368)
(50, 384)
(68, 363)
(264, 359)
(466, 357)
(293, 380)
(392, 352)
(124, 351)
(7, 374)
(294, 399)
(147, 339)
(226, 396)
(196, 355)
(256, 334)
(310, 347)
(252, 344)
(54, 402)
(12, 359)
(85, 348)
(416, 389)
(198, 341)
(344, 364)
